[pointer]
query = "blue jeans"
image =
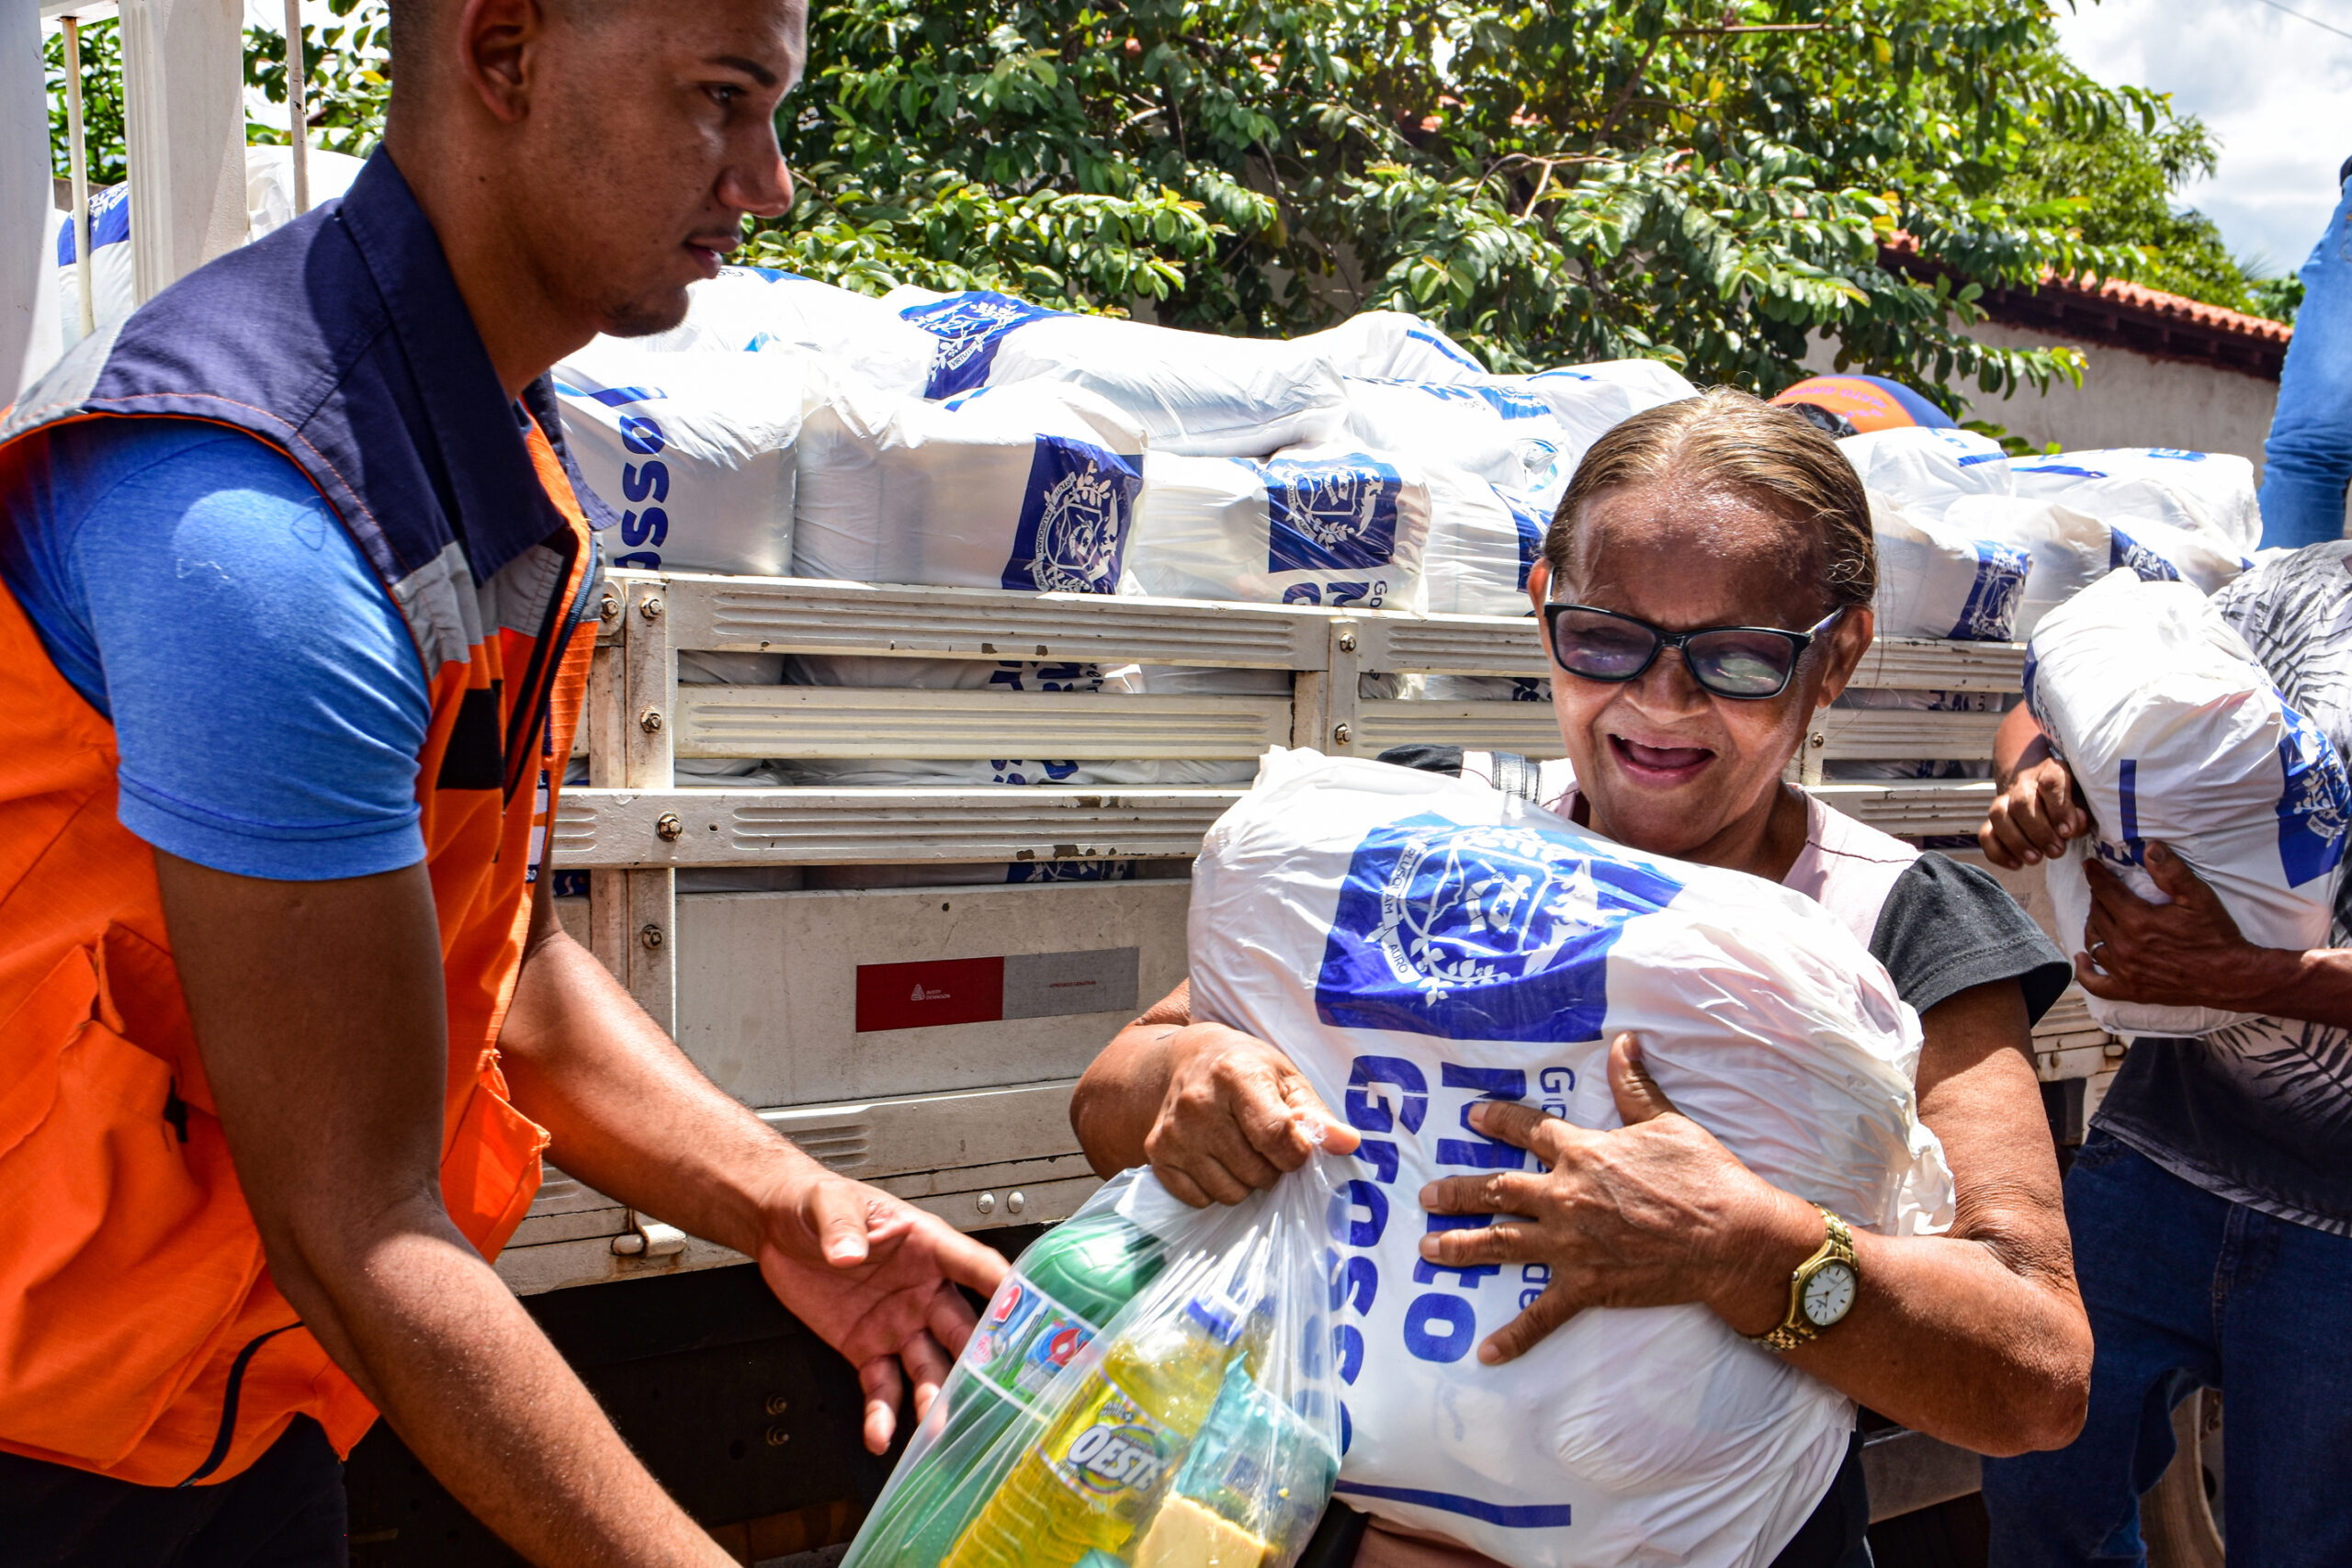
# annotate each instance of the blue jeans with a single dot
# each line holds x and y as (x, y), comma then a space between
(2307, 461)
(2187, 1290)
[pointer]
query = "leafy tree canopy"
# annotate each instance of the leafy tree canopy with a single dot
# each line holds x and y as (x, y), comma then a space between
(1704, 181)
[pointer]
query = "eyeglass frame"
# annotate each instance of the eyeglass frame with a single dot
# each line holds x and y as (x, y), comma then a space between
(1799, 642)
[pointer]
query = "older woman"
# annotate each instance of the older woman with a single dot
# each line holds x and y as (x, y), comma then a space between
(1704, 588)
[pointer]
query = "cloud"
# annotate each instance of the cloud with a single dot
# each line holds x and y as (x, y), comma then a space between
(2276, 92)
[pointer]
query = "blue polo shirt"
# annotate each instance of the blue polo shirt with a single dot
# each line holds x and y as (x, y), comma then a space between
(268, 701)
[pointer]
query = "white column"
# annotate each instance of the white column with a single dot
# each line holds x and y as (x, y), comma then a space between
(183, 75)
(28, 334)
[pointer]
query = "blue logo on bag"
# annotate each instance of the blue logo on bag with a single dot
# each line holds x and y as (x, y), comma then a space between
(1992, 607)
(1338, 515)
(2177, 454)
(2315, 802)
(2123, 550)
(2067, 470)
(969, 327)
(1492, 933)
(1074, 519)
(1510, 402)
(109, 223)
(1530, 525)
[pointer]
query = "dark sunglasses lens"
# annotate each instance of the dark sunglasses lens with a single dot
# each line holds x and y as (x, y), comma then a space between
(1740, 663)
(1600, 648)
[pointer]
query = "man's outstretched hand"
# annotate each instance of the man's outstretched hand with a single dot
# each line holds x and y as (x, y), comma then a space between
(876, 1278)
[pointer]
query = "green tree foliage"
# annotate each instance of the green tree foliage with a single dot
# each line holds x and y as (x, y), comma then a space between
(343, 83)
(1551, 180)
(2123, 179)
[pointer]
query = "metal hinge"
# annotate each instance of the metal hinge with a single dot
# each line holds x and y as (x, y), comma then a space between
(649, 1238)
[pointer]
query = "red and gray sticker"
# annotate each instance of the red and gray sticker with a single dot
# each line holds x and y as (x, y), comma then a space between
(985, 990)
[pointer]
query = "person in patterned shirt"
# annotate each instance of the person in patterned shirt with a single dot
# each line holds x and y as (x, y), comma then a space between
(2211, 1202)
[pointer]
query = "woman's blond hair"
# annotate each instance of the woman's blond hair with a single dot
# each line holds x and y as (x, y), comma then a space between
(1726, 439)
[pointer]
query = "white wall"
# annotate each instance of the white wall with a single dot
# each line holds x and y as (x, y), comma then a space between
(2130, 399)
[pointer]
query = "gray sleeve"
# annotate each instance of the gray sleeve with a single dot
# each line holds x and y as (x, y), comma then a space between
(1946, 927)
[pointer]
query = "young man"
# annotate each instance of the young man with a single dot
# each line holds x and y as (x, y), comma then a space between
(290, 568)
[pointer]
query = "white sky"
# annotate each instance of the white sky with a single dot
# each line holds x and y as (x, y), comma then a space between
(2276, 92)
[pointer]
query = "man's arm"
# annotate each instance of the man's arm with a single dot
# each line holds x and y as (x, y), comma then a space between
(320, 1016)
(633, 1118)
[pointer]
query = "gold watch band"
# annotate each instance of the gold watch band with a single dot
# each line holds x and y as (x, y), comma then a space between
(1836, 1246)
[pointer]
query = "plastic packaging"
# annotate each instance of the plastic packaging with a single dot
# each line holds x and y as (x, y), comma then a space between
(1151, 1387)
(1520, 432)
(1195, 393)
(1924, 471)
(2070, 550)
(1416, 943)
(2202, 493)
(1936, 582)
(1483, 542)
(694, 453)
(1393, 345)
(759, 310)
(2176, 734)
(1324, 526)
(1029, 487)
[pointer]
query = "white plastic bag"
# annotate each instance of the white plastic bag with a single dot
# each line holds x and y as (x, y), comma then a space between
(2203, 493)
(1417, 943)
(270, 184)
(1193, 393)
(1924, 471)
(1484, 540)
(2176, 734)
(2158, 552)
(1151, 1382)
(1936, 582)
(1030, 487)
(694, 452)
(2069, 550)
(1521, 433)
(760, 309)
(1323, 526)
(1393, 345)
(1648, 382)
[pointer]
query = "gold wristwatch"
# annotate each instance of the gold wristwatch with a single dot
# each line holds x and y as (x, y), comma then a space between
(1821, 1291)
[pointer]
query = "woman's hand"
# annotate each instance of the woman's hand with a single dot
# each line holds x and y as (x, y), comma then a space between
(2188, 953)
(2033, 819)
(1236, 1115)
(1654, 1214)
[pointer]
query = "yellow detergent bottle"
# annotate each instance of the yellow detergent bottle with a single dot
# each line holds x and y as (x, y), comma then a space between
(1093, 1478)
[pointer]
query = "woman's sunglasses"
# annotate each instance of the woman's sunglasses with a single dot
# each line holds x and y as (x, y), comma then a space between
(1746, 663)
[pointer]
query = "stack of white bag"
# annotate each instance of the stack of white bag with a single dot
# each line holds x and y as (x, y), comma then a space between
(2176, 734)
(1030, 487)
(756, 310)
(1957, 494)
(1193, 393)
(694, 451)
(1313, 525)
(2209, 493)
(1418, 944)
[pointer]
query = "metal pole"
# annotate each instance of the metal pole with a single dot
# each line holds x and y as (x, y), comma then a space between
(298, 114)
(78, 155)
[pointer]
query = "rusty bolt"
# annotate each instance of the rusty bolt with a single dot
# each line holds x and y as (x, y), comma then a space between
(1340, 734)
(778, 1437)
(650, 607)
(609, 609)
(777, 1405)
(650, 936)
(668, 827)
(1818, 740)
(650, 721)
(1347, 642)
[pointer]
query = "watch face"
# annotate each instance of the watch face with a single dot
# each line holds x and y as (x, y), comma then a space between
(1829, 1294)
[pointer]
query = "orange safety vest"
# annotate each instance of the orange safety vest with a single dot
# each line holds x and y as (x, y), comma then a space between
(141, 1334)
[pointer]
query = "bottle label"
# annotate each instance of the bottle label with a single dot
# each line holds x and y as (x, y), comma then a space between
(1026, 1339)
(1111, 1451)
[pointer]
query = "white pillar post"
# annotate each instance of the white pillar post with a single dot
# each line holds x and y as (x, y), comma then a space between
(183, 79)
(28, 335)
